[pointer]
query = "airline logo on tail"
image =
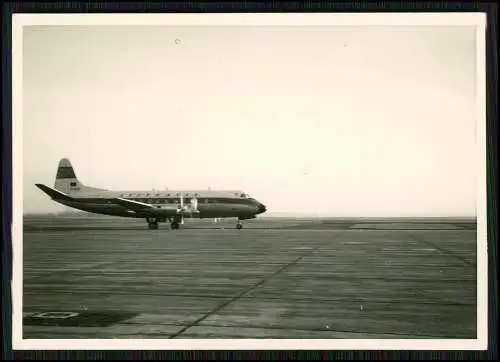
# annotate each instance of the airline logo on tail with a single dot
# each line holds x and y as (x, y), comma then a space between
(73, 186)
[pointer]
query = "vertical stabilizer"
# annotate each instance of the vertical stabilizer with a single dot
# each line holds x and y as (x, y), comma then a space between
(66, 180)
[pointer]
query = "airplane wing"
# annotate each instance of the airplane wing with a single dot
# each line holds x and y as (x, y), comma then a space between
(132, 205)
(146, 209)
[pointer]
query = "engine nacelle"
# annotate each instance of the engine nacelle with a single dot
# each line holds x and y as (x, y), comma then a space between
(192, 207)
(194, 204)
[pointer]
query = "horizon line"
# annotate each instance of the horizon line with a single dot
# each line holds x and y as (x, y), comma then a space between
(278, 215)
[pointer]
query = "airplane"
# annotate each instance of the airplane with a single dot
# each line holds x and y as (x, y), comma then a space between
(153, 206)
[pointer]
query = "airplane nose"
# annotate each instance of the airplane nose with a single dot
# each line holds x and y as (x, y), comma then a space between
(261, 208)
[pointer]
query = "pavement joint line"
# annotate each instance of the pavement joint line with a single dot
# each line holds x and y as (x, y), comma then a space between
(293, 298)
(442, 250)
(250, 326)
(322, 330)
(52, 273)
(243, 293)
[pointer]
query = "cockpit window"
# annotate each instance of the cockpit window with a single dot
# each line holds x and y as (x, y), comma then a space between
(245, 196)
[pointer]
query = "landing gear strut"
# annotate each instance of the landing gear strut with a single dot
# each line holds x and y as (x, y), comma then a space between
(153, 225)
(175, 222)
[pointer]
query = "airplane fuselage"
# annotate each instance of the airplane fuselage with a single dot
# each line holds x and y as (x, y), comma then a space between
(154, 206)
(209, 204)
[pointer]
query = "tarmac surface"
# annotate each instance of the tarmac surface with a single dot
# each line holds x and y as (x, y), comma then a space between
(100, 277)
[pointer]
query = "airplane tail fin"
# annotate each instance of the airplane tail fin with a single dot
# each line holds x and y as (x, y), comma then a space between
(66, 180)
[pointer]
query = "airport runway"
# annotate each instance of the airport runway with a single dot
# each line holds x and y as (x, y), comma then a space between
(275, 278)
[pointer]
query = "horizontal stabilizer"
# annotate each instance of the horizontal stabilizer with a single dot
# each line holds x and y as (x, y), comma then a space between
(53, 193)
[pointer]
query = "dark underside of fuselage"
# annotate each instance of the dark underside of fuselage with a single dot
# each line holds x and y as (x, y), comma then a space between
(167, 207)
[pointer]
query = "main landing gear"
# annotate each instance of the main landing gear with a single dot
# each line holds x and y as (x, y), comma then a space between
(174, 224)
(152, 225)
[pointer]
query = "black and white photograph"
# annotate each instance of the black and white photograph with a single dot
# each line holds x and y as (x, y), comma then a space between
(249, 181)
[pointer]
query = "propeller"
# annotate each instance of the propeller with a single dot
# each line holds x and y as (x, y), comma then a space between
(181, 208)
(191, 207)
(194, 204)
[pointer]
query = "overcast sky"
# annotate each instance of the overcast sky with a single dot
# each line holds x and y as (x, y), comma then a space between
(345, 121)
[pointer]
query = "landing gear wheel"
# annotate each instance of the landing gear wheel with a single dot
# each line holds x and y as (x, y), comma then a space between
(174, 225)
(153, 225)
(239, 226)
